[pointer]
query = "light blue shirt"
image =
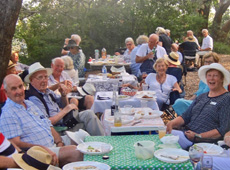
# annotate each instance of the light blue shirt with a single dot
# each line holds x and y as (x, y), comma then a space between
(28, 123)
(135, 67)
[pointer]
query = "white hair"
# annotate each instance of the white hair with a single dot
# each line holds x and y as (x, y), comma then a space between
(129, 39)
(76, 38)
(204, 30)
(142, 39)
(68, 62)
(160, 30)
(167, 31)
(5, 79)
(57, 58)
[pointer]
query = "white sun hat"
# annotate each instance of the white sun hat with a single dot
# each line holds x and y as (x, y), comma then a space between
(35, 68)
(87, 89)
(216, 66)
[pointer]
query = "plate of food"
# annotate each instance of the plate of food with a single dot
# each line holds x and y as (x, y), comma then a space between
(172, 155)
(210, 149)
(147, 113)
(123, 97)
(125, 119)
(94, 148)
(146, 95)
(86, 165)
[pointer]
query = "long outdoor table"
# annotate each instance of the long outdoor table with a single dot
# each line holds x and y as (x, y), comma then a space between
(123, 154)
(99, 65)
(145, 124)
(101, 105)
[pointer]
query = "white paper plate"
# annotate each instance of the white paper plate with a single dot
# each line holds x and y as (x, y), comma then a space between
(148, 113)
(99, 165)
(73, 95)
(124, 118)
(183, 155)
(125, 112)
(210, 149)
(123, 97)
(83, 147)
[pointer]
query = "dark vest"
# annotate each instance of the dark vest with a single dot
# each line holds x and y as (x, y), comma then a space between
(33, 92)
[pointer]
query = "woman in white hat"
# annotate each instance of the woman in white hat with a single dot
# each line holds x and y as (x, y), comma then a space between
(161, 82)
(208, 115)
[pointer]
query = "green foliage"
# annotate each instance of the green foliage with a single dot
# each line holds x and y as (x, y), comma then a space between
(221, 48)
(44, 24)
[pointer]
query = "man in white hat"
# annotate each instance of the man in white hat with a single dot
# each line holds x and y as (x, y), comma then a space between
(49, 102)
(24, 124)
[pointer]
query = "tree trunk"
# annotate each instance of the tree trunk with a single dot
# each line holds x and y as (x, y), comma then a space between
(9, 11)
(219, 34)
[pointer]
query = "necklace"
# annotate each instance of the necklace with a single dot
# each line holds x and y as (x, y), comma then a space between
(161, 79)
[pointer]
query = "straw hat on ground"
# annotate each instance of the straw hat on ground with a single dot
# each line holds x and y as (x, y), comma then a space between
(10, 64)
(35, 68)
(173, 58)
(216, 66)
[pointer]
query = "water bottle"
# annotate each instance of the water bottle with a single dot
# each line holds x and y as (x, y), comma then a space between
(96, 55)
(103, 53)
(104, 72)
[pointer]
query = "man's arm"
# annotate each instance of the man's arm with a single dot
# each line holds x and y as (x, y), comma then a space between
(6, 162)
(17, 141)
(142, 59)
(57, 138)
(213, 134)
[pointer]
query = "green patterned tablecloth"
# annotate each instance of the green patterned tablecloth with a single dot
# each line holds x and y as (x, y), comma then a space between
(123, 154)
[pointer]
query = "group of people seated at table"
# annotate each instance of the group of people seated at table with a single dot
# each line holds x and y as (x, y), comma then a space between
(29, 117)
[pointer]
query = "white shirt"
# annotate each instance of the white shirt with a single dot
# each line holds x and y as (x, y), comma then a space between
(144, 50)
(207, 42)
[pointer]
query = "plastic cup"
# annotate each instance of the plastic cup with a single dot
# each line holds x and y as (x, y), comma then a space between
(145, 87)
(127, 109)
(144, 149)
(162, 132)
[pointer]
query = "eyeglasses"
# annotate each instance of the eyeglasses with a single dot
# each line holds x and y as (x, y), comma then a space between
(42, 78)
(208, 62)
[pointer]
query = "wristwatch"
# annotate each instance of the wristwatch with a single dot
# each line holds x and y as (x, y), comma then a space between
(198, 135)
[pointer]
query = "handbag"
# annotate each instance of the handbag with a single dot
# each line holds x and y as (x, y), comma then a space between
(70, 119)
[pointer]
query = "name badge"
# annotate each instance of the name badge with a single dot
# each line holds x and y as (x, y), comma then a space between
(213, 103)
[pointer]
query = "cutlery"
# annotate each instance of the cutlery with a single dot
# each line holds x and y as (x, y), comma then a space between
(174, 157)
(139, 121)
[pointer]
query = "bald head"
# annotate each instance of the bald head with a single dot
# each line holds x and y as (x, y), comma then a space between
(57, 65)
(174, 47)
(14, 88)
(153, 40)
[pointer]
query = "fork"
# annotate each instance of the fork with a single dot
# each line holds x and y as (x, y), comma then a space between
(134, 123)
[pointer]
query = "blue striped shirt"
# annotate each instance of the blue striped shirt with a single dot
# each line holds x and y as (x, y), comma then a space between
(29, 123)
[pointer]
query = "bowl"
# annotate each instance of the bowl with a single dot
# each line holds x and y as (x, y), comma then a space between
(128, 91)
(144, 149)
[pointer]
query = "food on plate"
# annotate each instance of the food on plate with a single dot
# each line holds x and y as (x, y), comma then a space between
(122, 96)
(150, 113)
(85, 167)
(128, 91)
(141, 112)
(146, 96)
(92, 149)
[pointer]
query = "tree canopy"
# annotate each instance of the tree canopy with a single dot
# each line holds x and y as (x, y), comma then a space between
(44, 24)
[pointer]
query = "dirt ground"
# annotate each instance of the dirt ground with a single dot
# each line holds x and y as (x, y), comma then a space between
(192, 79)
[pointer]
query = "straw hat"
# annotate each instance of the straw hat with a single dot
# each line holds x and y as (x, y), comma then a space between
(35, 158)
(10, 64)
(190, 39)
(173, 58)
(203, 70)
(35, 68)
(87, 89)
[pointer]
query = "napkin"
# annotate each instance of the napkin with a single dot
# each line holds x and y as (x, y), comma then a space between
(118, 70)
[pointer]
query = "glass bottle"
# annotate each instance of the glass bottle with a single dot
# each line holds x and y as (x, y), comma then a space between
(103, 53)
(96, 55)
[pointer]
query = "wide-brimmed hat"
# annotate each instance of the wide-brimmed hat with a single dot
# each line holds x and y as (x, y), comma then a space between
(10, 64)
(35, 68)
(173, 58)
(35, 158)
(71, 43)
(87, 89)
(190, 39)
(203, 70)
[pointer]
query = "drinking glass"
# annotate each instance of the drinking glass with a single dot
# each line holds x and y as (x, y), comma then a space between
(207, 163)
(196, 154)
(162, 132)
(145, 87)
